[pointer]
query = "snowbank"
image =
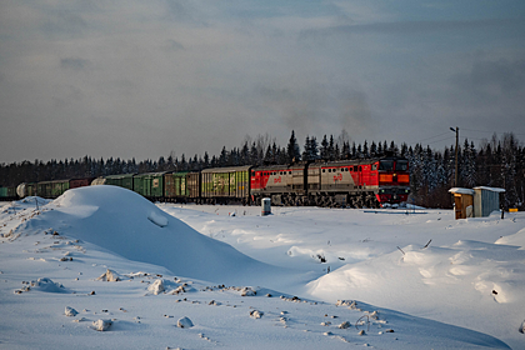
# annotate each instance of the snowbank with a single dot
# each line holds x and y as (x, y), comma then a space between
(468, 275)
(124, 222)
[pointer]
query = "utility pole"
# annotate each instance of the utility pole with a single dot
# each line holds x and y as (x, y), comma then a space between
(456, 130)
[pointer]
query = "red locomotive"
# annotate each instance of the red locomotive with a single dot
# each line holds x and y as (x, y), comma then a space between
(367, 183)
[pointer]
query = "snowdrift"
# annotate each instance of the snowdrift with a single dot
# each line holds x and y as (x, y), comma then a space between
(125, 223)
(466, 276)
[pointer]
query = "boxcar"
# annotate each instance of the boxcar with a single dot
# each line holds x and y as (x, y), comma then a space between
(51, 189)
(224, 185)
(176, 187)
(75, 183)
(150, 185)
(8, 193)
(123, 180)
(193, 182)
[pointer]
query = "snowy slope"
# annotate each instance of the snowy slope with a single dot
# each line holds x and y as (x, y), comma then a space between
(140, 231)
(471, 274)
(275, 294)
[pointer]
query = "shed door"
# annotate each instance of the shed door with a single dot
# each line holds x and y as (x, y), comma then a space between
(462, 202)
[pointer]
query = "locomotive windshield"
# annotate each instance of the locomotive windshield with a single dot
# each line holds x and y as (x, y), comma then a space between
(387, 165)
(401, 165)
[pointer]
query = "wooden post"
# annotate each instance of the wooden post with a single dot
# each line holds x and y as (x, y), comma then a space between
(457, 154)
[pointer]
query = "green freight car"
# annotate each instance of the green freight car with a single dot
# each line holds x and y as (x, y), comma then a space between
(8, 193)
(224, 185)
(51, 189)
(3, 194)
(176, 187)
(123, 180)
(150, 185)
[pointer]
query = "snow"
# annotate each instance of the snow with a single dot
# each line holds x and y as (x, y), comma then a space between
(301, 278)
(101, 325)
(69, 311)
(461, 190)
(492, 189)
(184, 322)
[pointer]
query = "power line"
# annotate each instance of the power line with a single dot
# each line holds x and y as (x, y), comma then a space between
(431, 138)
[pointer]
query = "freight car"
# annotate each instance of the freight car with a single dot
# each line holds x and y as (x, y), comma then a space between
(150, 185)
(123, 180)
(50, 189)
(224, 185)
(176, 187)
(8, 193)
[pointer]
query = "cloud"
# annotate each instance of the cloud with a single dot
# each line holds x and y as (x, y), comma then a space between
(172, 45)
(493, 78)
(74, 63)
(319, 109)
(406, 27)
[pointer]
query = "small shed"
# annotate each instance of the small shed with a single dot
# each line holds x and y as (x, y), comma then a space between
(464, 201)
(486, 200)
(477, 202)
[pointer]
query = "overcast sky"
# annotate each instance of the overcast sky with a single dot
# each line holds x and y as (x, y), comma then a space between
(130, 78)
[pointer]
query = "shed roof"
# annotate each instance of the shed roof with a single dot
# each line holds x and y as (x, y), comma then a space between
(461, 190)
(493, 189)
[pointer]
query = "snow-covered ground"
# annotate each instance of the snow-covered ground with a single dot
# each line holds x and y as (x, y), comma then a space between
(206, 277)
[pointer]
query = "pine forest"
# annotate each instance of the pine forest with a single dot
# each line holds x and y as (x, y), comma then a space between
(498, 162)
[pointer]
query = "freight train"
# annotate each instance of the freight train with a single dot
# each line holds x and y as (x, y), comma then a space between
(369, 183)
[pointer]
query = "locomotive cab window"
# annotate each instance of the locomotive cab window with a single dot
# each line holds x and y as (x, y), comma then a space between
(401, 165)
(374, 167)
(387, 165)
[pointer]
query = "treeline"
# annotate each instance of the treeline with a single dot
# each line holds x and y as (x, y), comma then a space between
(499, 162)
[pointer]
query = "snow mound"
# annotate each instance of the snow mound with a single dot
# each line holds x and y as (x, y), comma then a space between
(184, 322)
(517, 239)
(126, 223)
(70, 312)
(157, 287)
(111, 276)
(101, 325)
(158, 220)
(47, 285)
(464, 276)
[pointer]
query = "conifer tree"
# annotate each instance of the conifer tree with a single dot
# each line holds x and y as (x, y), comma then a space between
(293, 150)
